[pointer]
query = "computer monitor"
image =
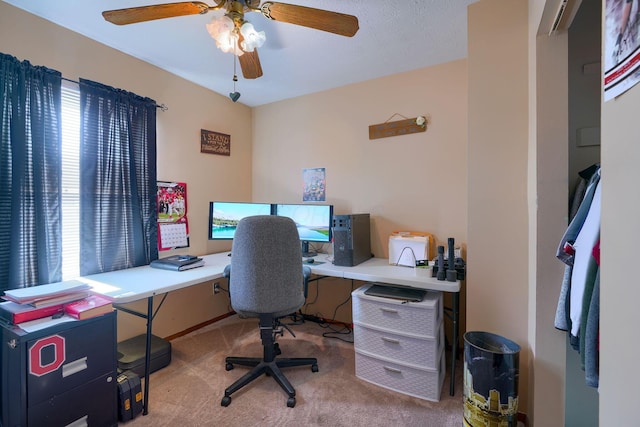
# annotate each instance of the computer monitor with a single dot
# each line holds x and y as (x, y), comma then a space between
(313, 222)
(224, 217)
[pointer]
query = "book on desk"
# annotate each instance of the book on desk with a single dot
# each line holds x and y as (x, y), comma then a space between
(178, 262)
(91, 306)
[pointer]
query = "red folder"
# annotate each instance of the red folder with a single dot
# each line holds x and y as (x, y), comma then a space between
(17, 313)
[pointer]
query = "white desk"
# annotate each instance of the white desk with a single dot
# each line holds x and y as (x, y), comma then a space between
(134, 284)
(379, 270)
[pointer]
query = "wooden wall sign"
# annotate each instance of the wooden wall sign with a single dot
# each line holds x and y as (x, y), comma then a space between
(400, 127)
(215, 143)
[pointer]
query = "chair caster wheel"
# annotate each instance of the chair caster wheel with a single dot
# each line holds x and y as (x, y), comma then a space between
(228, 366)
(314, 368)
(291, 402)
(226, 400)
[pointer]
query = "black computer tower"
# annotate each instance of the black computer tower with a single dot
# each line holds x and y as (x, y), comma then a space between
(351, 239)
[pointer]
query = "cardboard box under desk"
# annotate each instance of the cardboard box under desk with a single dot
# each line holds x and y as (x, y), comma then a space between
(131, 354)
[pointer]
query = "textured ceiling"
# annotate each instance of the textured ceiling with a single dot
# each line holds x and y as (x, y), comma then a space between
(394, 36)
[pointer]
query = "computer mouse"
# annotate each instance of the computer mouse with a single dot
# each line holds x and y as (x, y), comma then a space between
(309, 260)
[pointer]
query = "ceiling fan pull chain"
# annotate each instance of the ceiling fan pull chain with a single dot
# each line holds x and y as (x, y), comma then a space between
(235, 76)
(234, 95)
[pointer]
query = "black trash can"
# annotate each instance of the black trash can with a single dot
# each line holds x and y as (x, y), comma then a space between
(490, 380)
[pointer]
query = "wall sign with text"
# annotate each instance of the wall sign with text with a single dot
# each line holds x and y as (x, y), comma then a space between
(215, 143)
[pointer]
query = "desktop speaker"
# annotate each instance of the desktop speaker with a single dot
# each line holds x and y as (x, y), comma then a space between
(351, 239)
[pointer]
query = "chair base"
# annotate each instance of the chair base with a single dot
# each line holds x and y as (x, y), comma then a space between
(268, 364)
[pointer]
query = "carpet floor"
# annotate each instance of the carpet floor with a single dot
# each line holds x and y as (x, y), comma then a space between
(188, 391)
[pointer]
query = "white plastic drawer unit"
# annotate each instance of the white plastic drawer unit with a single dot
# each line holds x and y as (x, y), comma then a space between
(399, 345)
(405, 348)
(407, 379)
(419, 318)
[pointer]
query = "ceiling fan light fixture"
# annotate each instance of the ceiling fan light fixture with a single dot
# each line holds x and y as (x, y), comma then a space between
(252, 39)
(223, 31)
(227, 31)
(229, 43)
(220, 25)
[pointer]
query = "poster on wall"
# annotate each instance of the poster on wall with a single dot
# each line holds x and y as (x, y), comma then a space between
(621, 47)
(173, 226)
(314, 187)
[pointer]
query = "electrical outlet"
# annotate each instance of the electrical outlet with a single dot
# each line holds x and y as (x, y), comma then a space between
(216, 288)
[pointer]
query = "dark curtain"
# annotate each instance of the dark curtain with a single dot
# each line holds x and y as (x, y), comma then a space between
(30, 174)
(118, 182)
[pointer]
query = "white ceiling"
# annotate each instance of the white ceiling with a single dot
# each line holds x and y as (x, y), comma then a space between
(394, 36)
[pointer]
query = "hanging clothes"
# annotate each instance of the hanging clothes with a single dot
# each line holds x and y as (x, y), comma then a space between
(584, 265)
(591, 339)
(578, 305)
(565, 252)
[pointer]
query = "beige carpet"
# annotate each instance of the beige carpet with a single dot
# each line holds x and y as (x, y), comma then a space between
(188, 391)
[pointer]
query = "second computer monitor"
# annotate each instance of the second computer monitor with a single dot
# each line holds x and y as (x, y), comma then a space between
(313, 222)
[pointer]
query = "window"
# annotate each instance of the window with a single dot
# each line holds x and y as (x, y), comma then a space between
(70, 180)
(61, 219)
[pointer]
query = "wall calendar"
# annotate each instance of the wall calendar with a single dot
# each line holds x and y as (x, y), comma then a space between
(173, 226)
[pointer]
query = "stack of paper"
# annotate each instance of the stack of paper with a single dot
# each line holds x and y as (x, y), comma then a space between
(36, 302)
(53, 293)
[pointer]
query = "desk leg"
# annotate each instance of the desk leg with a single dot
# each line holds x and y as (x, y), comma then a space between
(147, 356)
(454, 339)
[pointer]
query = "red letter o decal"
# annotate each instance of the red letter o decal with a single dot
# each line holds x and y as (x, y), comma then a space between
(35, 355)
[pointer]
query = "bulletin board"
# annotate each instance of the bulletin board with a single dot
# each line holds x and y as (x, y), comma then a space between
(173, 225)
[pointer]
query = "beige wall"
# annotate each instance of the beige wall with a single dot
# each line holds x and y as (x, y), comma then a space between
(191, 108)
(548, 221)
(412, 182)
(497, 284)
(620, 293)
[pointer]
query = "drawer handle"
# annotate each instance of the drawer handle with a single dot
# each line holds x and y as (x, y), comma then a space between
(390, 340)
(394, 370)
(74, 367)
(388, 310)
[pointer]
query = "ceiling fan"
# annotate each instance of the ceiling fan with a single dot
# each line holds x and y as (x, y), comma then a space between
(235, 34)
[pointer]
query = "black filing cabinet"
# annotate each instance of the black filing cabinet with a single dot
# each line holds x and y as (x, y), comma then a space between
(61, 375)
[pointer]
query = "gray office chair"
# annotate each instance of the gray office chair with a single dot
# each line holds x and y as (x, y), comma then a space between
(266, 280)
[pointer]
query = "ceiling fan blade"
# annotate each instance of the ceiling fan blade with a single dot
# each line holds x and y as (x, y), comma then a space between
(250, 64)
(325, 20)
(134, 15)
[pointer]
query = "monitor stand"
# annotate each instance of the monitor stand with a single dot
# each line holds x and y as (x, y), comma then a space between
(305, 250)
